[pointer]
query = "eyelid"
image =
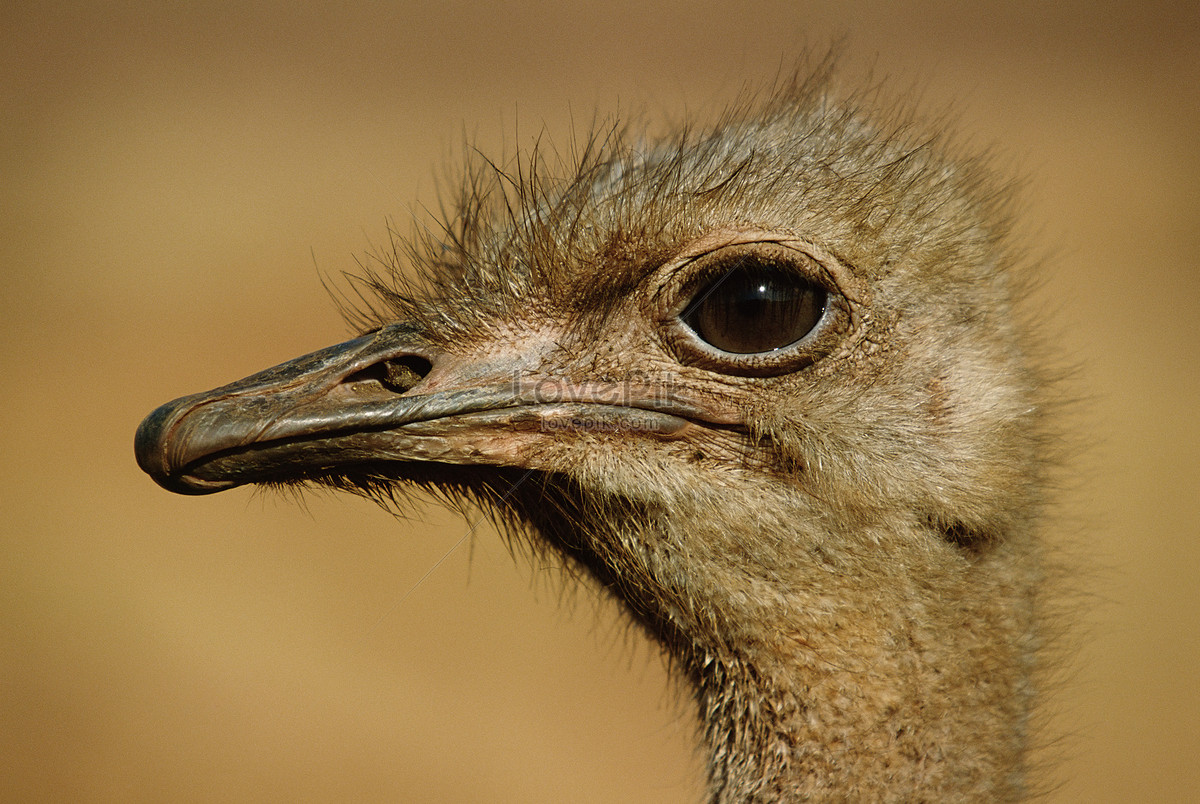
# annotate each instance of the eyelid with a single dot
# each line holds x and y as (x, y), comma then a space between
(687, 289)
(675, 276)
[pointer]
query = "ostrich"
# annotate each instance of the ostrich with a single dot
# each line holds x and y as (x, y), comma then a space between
(762, 382)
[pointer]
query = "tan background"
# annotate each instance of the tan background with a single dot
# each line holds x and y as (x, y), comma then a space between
(167, 178)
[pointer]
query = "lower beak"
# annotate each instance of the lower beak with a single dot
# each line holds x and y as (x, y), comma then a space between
(384, 397)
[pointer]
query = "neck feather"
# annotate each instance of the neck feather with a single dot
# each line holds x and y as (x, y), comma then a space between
(876, 661)
(866, 688)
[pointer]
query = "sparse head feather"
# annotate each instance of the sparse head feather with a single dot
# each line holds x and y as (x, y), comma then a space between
(929, 408)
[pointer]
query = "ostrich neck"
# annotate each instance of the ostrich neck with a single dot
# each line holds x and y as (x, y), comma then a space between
(849, 690)
(878, 662)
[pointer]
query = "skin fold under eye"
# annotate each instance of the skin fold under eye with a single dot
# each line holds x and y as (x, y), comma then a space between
(755, 308)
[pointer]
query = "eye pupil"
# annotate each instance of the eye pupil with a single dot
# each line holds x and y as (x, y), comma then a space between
(755, 309)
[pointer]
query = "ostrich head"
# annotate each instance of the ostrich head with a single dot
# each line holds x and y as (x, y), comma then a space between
(763, 382)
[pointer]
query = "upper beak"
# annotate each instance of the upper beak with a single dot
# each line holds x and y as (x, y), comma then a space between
(387, 396)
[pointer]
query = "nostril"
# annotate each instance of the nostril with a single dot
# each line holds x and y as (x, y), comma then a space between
(397, 374)
(402, 373)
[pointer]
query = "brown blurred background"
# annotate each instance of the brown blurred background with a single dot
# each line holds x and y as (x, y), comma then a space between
(173, 176)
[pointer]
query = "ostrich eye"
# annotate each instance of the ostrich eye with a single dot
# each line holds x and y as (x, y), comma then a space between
(755, 308)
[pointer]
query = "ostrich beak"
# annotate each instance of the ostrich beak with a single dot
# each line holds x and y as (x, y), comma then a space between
(389, 397)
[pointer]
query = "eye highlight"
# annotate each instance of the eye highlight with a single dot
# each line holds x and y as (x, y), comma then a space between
(755, 308)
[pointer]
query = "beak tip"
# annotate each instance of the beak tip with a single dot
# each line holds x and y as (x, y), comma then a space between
(147, 441)
(150, 448)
